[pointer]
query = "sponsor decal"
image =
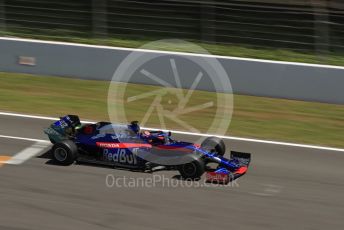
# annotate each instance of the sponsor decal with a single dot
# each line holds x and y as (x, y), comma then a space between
(28, 61)
(51, 131)
(61, 123)
(109, 156)
(107, 145)
(120, 156)
(110, 145)
(214, 177)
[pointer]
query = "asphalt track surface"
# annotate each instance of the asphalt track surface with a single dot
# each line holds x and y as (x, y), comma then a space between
(285, 188)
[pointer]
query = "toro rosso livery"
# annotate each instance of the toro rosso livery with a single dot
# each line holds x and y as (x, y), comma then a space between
(126, 146)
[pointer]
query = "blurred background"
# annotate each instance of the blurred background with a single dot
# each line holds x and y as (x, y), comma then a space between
(291, 30)
(297, 186)
(277, 101)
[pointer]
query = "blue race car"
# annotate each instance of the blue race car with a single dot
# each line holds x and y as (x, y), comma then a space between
(126, 146)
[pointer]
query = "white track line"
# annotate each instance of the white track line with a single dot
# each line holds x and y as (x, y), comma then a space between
(24, 139)
(171, 52)
(35, 117)
(28, 153)
(181, 132)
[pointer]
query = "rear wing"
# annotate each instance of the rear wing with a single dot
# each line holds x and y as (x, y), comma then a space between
(63, 129)
(68, 121)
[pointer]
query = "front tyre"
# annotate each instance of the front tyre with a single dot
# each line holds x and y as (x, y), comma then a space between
(214, 144)
(193, 170)
(65, 152)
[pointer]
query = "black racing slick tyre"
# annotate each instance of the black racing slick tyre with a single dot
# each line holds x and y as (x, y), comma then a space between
(214, 144)
(193, 170)
(65, 152)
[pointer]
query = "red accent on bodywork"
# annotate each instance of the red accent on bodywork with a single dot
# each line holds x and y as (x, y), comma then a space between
(111, 145)
(170, 147)
(197, 146)
(241, 170)
(88, 129)
(213, 177)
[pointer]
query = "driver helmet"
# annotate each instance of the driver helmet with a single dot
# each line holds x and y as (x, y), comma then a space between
(146, 133)
(88, 129)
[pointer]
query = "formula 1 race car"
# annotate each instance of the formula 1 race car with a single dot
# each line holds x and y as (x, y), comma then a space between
(126, 146)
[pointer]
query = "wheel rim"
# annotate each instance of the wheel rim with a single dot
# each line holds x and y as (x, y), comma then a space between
(60, 154)
(189, 169)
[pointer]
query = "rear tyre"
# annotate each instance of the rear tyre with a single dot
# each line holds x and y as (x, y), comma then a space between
(214, 144)
(65, 152)
(193, 170)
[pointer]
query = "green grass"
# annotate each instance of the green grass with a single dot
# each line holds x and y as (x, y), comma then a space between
(216, 49)
(257, 117)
